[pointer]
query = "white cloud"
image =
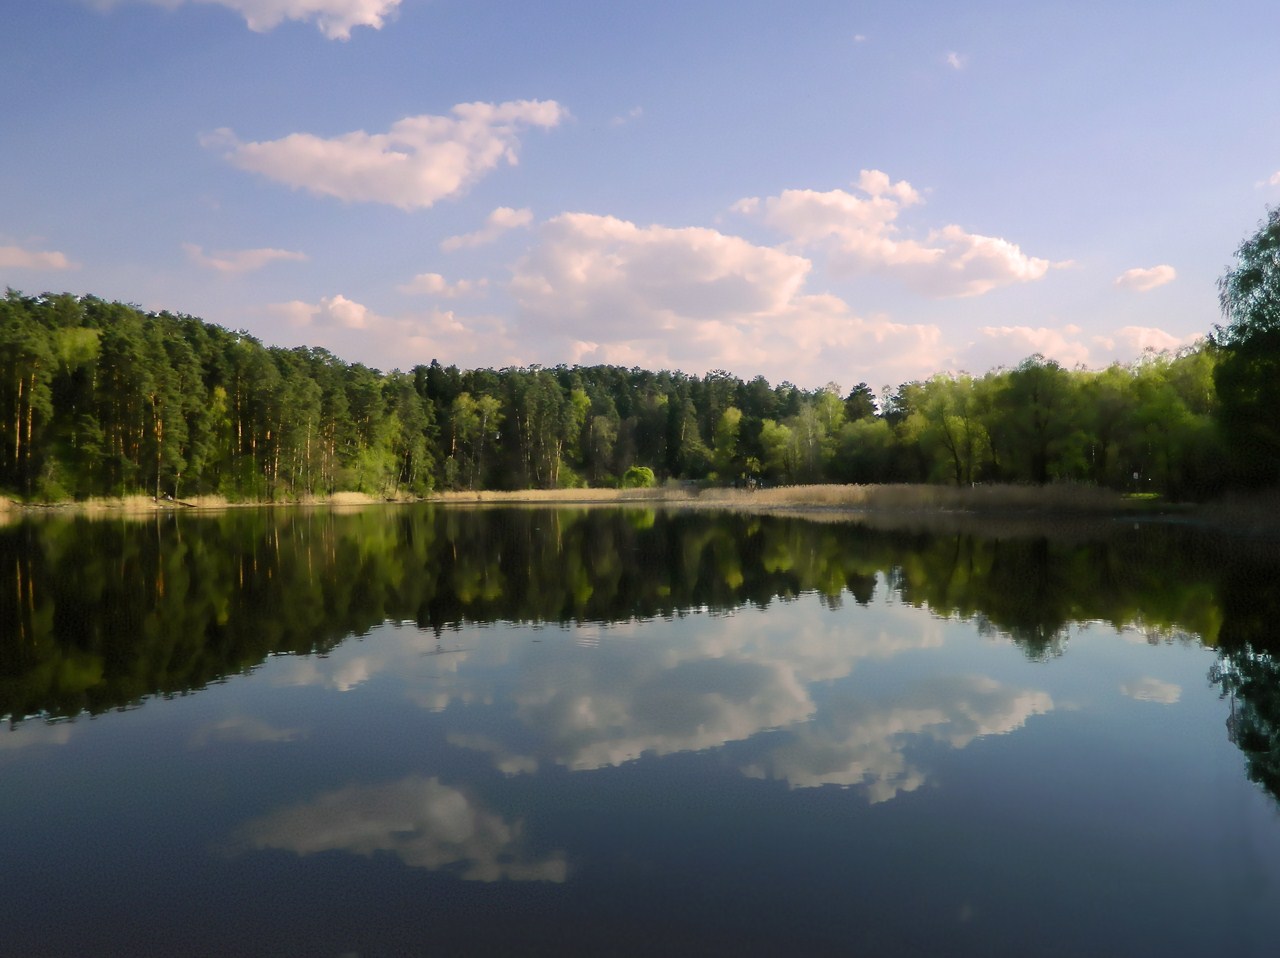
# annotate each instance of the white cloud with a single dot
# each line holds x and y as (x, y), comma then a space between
(853, 743)
(1275, 179)
(434, 284)
(330, 311)
(353, 330)
(15, 257)
(334, 18)
(1147, 689)
(623, 119)
(696, 299)
(242, 728)
(423, 822)
(35, 734)
(1009, 345)
(500, 221)
(419, 161)
(1067, 345)
(241, 260)
(1131, 341)
(955, 60)
(860, 235)
(1143, 280)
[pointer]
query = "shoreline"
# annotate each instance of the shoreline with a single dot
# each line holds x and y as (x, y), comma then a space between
(1256, 515)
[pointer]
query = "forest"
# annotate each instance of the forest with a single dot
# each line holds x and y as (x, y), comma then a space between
(103, 399)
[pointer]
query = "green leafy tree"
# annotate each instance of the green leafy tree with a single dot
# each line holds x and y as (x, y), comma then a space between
(1248, 372)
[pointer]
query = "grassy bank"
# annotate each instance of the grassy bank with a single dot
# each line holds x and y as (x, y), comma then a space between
(145, 505)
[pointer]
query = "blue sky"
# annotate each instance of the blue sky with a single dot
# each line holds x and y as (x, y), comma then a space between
(812, 191)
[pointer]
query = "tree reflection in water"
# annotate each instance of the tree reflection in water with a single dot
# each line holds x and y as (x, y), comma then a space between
(98, 615)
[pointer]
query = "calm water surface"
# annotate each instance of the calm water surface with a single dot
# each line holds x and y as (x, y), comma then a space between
(428, 732)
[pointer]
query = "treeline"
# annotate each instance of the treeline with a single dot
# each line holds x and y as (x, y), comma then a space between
(102, 398)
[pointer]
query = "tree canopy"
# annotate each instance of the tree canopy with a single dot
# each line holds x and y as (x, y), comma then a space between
(100, 398)
(1247, 375)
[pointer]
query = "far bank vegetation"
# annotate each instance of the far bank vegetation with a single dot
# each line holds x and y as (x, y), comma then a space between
(101, 399)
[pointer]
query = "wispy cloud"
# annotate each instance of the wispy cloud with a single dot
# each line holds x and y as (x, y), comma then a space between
(419, 161)
(334, 18)
(955, 60)
(1144, 280)
(242, 728)
(500, 221)
(624, 118)
(240, 261)
(1147, 689)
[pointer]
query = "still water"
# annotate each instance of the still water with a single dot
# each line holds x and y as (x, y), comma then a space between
(425, 731)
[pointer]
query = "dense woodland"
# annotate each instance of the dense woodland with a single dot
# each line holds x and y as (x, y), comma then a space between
(101, 398)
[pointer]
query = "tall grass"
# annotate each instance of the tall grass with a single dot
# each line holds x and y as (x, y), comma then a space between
(1065, 498)
(665, 494)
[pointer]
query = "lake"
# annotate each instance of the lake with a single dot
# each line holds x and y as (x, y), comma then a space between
(434, 731)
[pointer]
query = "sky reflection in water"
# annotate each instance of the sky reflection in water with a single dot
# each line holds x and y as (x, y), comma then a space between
(820, 776)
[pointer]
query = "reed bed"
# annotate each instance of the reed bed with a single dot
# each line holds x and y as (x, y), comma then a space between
(1065, 498)
(555, 496)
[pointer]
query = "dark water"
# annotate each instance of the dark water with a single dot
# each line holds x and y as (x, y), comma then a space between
(431, 732)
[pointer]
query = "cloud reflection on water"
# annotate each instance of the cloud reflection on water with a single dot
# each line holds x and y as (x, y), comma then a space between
(854, 742)
(420, 820)
(692, 684)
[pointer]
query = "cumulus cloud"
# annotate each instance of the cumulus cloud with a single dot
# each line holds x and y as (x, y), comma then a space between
(419, 161)
(423, 822)
(329, 311)
(1143, 280)
(241, 260)
(1067, 345)
(356, 331)
(334, 18)
(1009, 345)
(15, 257)
(860, 235)
(500, 221)
(434, 284)
(694, 298)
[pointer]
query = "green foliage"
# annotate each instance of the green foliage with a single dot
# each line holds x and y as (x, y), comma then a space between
(639, 477)
(1248, 372)
(101, 398)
